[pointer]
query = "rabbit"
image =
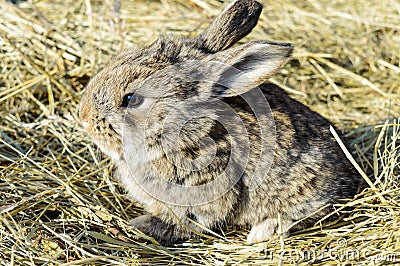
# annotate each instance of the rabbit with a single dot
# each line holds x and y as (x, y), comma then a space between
(202, 140)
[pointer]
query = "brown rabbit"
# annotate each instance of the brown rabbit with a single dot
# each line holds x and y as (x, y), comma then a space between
(201, 140)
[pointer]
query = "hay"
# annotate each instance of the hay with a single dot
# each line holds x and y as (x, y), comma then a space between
(59, 202)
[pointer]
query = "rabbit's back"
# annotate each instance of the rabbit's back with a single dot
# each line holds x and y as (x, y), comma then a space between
(308, 170)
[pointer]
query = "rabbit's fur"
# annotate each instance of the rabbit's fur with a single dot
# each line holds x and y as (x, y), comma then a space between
(305, 169)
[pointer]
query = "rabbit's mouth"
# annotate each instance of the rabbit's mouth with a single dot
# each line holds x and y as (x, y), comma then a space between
(112, 150)
(109, 143)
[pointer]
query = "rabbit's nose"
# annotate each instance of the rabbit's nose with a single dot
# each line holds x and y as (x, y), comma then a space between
(83, 112)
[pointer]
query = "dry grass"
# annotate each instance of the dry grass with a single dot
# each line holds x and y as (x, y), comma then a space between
(59, 202)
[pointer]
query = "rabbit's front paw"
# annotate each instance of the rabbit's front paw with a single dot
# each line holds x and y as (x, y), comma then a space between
(162, 232)
(265, 229)
(142, 223)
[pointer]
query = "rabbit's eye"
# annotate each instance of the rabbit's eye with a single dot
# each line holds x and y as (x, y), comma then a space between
(132, 100)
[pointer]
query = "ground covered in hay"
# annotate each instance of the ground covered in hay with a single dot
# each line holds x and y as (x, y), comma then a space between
(58, 201)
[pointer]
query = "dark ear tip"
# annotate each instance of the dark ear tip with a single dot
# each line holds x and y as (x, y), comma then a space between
(285, 48)
(287, 44)
(255, 3)
(236, 21)
(289, 49)
(253, 6)
(258, 4)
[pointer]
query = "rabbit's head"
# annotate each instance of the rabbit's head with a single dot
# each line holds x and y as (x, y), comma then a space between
(141, 87)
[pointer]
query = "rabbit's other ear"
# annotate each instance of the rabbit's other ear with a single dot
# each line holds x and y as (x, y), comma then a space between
(235, 22)
(249, 65)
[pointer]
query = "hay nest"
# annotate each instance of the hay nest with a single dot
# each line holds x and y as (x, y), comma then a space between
(59, 202)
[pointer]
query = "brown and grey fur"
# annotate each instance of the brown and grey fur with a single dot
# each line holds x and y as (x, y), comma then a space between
(308, 171)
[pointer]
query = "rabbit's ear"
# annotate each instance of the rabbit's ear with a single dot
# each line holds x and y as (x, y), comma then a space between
(235, 22)
(249, 65)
